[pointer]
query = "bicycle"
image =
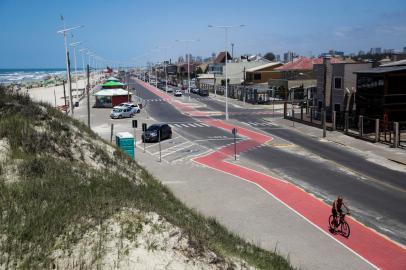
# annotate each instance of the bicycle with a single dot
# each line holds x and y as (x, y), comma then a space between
(344, 227)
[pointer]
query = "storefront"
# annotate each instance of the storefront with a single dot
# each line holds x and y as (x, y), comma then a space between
(108, 98)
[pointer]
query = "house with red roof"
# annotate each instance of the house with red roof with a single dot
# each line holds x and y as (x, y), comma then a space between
(295, 79)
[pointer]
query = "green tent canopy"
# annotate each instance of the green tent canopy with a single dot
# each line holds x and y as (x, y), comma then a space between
(113, 84)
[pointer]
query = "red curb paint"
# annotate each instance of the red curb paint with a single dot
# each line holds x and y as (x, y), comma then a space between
(370, 245)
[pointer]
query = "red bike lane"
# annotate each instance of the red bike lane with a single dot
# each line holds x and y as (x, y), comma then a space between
(372, 247)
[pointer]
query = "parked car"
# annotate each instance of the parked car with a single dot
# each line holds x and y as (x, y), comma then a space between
(203, 92)
(134, 108)
(169, 89)
(194, 90)
(121, 112)
(153, 131)
(177, 93)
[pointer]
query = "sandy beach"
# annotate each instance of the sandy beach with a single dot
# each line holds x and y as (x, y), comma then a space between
(54, 95)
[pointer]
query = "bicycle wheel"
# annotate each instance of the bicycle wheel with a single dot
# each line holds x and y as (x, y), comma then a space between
(345, 229)
(331, 222)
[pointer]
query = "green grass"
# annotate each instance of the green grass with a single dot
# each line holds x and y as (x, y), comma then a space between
(56, 201)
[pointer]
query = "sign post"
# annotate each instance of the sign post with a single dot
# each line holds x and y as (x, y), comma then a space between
(144, 128)
(234, 131)
(135, 124)
(159, 138)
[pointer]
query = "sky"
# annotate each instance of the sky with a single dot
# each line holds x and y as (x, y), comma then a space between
(135, 32)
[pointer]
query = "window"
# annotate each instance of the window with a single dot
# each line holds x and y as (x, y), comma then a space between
(338, 83)
(257, 76)
(337, 107)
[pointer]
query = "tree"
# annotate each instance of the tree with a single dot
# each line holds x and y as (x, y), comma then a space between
(199, 70)
(269, 56)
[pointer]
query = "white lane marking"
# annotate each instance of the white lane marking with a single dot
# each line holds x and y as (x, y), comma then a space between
(177, 150)
(192, 125)
(177, 125)
(204, 124)
(166, 149)
(198, 124)
(184, 125)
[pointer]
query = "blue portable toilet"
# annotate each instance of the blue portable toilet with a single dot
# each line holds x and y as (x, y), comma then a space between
(125, 141)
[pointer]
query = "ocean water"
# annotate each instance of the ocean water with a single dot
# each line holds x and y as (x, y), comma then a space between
(8, 76)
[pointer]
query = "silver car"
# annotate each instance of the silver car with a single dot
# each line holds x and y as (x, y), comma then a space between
(121, 112)
(134, 108)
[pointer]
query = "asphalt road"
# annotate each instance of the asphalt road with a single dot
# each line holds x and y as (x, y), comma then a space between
(376, 194)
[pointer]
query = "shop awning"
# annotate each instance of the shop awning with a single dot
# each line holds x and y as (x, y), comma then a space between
(112, 79)
(112, 92)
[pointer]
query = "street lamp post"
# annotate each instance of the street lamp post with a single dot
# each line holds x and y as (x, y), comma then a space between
(165, 67)
(76, 69)
(64, 31)
(187, 41)
(226, 27)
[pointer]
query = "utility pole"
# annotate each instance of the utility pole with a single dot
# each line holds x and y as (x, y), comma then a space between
(324, 97)
(243, 97)
(64, 96)
(70, 85)
(87, 93)
(232, 50)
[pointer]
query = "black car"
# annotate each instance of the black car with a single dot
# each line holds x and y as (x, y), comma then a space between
(153, 131)
(203, 92)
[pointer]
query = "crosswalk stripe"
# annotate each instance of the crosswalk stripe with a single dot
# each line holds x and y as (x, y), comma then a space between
(198, 124)
(177, 125)
(184, 125)
(205, 125)
(192, 125)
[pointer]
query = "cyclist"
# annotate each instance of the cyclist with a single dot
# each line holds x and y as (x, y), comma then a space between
(337, 204)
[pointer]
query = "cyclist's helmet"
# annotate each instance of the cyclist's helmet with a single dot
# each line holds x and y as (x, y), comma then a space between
(340, 198)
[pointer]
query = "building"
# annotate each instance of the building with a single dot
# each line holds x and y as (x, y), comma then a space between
(377, 50)
(381, 93)
(389, 51)
(108, 98)
(183, 70)
(261, 73)
(333, 53)
(278, 57)
(221, 58)
(235, 71)
(404, 49)
(336, 82)
(288, 57)
(292, 80)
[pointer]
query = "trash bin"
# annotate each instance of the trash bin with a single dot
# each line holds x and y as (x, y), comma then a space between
(76, 103)
(125, 141)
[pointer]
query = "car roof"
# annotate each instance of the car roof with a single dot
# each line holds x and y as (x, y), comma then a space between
(158, 125)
